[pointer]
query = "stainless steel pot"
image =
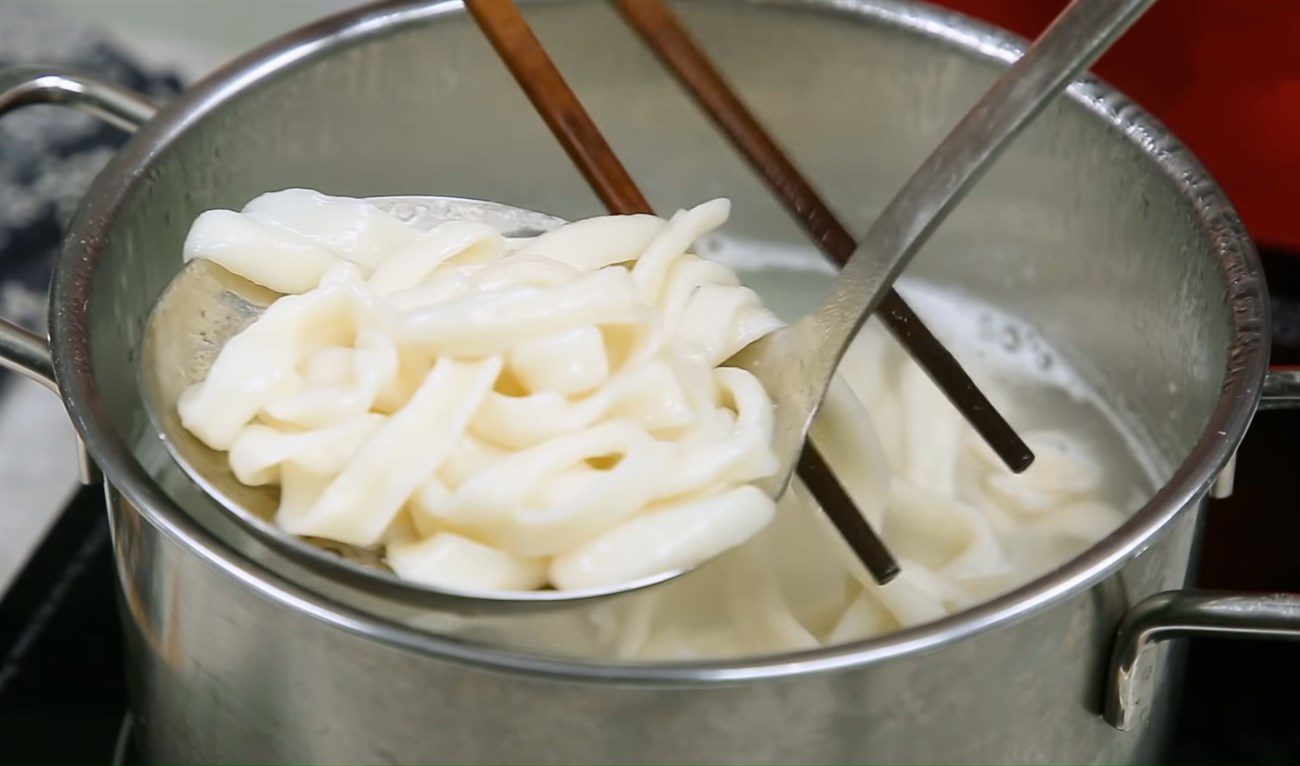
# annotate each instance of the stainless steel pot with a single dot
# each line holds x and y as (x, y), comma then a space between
(1097, 227)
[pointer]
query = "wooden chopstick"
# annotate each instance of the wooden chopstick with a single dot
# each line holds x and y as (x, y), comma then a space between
(533, 69)
(545, 87)
(662, 32)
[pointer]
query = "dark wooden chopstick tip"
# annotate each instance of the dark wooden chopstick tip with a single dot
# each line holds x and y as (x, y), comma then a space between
(1019, 462)
(947, 373)
(844, 514)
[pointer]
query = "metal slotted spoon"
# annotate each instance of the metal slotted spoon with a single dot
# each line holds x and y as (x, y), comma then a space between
(205, 305)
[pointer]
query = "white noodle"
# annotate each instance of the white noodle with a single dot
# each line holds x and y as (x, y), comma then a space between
(495, 414)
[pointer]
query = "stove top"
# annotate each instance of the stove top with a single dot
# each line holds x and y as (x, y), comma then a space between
(62, 692)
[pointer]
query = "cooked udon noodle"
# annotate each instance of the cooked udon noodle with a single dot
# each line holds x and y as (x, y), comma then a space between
(497, 414)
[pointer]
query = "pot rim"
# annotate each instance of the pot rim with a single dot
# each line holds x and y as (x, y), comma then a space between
(1239, 396)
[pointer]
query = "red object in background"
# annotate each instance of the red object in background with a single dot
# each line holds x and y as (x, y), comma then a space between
(1224, 75)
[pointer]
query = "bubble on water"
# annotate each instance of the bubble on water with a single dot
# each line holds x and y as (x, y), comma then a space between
(755, 255)
(709, 245)
(1009, 338)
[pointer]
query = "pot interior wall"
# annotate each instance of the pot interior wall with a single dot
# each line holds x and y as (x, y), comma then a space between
(1077, 230)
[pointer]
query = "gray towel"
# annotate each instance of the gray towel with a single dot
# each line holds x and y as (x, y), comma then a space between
(49, 155)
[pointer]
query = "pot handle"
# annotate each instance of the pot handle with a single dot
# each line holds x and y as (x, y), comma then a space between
(1180, 614)
(1281, 389)
(21, 350)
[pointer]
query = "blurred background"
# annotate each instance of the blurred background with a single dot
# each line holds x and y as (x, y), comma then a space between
(1224, 75)
(188, 36)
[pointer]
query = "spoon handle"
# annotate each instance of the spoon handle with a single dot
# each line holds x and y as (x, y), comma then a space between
(1078, 36)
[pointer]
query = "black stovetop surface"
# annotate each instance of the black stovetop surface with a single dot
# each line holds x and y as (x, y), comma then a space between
(62, 692)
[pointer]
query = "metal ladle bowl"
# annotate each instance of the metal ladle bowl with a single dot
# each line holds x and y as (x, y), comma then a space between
(204, 306)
